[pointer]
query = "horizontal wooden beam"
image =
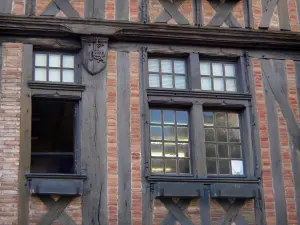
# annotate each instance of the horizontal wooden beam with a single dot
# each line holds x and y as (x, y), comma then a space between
(133, 32)
(44, 43)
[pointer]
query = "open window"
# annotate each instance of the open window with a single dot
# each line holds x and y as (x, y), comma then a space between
(53, 136)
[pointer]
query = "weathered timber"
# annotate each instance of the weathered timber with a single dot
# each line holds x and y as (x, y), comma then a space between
(198, 12)
(30, 7)
(94, 148)
(25, 134)
(171, 11)
(146, 198)
(183, 204)
(204, 207)
(57, 208)
(283, 14)
(274, 73)
(60, 5)
(44, 43)
(50, 203)
(122, 9)
(197, 127)
(232, 210)
(178, 35)
(176, 211)
(194, 67)
(295, 146)
(223, 14)
(123, 138)
(204, 180)
(6, 6)
(1, 61)
(171, 189)
(94, 9)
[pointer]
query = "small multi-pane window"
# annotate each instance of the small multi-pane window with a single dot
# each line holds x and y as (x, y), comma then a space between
(218, 76)
(223, 143)
(169, 141)
(54, 68)
(167, 73)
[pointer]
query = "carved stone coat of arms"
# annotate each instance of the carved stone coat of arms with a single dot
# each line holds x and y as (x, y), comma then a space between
(94, 54)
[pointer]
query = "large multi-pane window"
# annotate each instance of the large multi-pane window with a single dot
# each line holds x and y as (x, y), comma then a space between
(54, 67)
(192, 132)
(167, 73)
(223, 143)
(169, 140)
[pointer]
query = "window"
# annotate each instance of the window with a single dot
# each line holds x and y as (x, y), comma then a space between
(53, 136)
(167, 73)
(169, 137)
(54, 67)
(218, 76)
(223, 143)
(201, 129)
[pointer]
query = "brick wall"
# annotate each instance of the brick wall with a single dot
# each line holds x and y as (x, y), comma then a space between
(10, 131)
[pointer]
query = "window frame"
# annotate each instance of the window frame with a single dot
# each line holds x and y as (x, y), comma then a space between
(195, 101)
(77, 73)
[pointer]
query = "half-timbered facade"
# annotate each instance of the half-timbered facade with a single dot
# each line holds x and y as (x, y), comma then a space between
(149, 112)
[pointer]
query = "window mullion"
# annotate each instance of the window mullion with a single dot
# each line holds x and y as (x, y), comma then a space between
(194, 71)
(198, 140)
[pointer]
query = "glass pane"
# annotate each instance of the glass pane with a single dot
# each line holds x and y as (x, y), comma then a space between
(169, 133)
(211, 166)
(156, 132)
(68, 76)
(224, 166)
(229, 70)
(68, 61)
(41, 60)
(205, 83)
(218, 84)
(217, 69)
(154, 80)
(209, 134)
(157, 165)
(40, 74)
(169, 117)
(181, 117)
(54, 75)
(222, 134)
(155, 116)
(221, 119)
(237, 167)
(208, 119)
(156, 149)
(184, 166)
(54, 60)
(211, 150)
(167, 81)
(180, 82)
(182, 134)
(234, 135)
(233, 120)
(170, 149)
(166, 66)
(153, 65)
(170, 165)
(204, 68)
(179, 67)
(235, 151)
(223, 150)
(183, 150)
(230, 85)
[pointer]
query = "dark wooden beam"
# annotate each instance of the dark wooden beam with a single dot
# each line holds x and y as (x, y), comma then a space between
(123, 138)
(204, 207)
(94, 9)
(122, 9)
(25, 134)
(60, 5)
(129, 32)
(44, 43)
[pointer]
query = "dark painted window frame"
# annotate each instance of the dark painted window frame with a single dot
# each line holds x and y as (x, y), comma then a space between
(195, 101)
(47, 183)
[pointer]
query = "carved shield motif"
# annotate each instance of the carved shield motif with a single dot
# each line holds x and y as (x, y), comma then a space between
(94, 54)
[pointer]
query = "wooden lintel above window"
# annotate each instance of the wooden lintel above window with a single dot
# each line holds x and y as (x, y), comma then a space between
(128, 31)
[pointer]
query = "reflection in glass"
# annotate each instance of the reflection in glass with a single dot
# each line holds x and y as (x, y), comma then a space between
(182, 134)
(235, 151)
(169, 133)
(157, 165)
(184, 166)
(229, 70)
(221, 134)
(218, 84)
(224, 167)
(170, 165)
(68, 61)
(156, 132)
(54, 75)
(206, 83)
(54, 60)
(166, 66)
(169, 117)
(211, 166)
(230, 85)
(170, 149)
(156, 149)
(204, 68)
(68, 76)
(179, 67)
(180, 82)
(154, 80)
(223, 150)
(237, 167)
(221, 119)
(211, 150)
(40, 74)
(234, 135)
(155, 116)
(209, 134)
(233, 120)
(41, 60)
(217, 69)
(208, 119)
(153, 65)
(183, 150)
(167, 81)
(182, 117)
